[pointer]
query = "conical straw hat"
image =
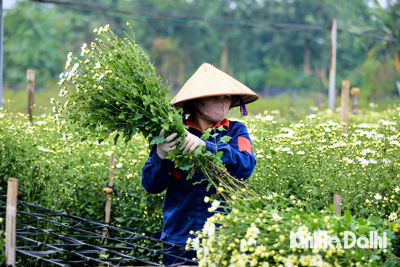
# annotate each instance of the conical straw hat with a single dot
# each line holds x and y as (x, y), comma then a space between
(210, 81)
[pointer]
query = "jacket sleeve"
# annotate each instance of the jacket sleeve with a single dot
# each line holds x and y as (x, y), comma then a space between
(155, 173)
(238, 155)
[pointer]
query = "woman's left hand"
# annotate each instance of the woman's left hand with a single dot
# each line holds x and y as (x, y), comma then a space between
(191, 142)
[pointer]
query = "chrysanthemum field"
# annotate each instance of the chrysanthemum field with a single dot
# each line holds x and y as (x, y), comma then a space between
(301, 164)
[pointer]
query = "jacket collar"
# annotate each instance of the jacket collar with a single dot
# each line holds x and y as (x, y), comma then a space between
(224, 123)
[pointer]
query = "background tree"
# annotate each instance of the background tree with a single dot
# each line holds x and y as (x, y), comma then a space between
(261, 56)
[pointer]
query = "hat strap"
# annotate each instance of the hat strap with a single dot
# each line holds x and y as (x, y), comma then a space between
(243, 109)
(194, 106)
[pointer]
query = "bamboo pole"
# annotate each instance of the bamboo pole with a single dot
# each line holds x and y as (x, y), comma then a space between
(224, 57)
(355, 92)
(11, 221)
(108, 191)
(345, 104)
(30, 77)
(332, 67)
(337, 201)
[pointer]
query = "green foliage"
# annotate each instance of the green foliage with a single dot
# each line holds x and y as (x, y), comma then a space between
(49, 159)
(2, 242)
(178, 49)
(263, 237)
(37, 38)
(312, 160)
(278, 76)
(255, 79)
(377, 79)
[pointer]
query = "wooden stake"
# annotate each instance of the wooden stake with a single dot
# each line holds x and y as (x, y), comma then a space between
(11, 221)
(332, 67)
(224, 57)
(345, 104)
(30, 77)
(355, 92)
(107, 212)
(110, 184)
(337, 200)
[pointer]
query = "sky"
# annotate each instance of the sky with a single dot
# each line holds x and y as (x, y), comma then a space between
(10, 3)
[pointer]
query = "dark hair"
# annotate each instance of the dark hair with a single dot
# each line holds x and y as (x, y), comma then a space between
(190, 109)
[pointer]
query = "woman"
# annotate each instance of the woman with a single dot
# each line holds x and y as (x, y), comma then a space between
(207, 97)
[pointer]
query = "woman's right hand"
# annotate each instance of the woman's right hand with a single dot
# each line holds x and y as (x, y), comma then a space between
(168, 144)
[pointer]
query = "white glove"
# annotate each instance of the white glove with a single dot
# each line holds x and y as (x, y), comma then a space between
(167, 145)
(191, 142)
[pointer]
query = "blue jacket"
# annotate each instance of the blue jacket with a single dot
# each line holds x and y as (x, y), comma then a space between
(184, 206)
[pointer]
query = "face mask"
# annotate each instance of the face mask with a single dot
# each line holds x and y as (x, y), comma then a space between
(216, 111)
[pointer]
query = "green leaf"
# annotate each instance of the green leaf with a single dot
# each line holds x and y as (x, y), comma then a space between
(391, 262)
(104, 133)
(172, 154)
(225, 138)
(137, 117)
(362, 221)
(157, 140)
(219, 154)
(363, 230)
(205, 136)
(122, 116)
(147, 99)
(221, 128)
(197, 151)
(120, 219)
(189, 176)
(116, 138)
(389, 233)
(331, 207)
(208, 186)
(347, 216)
(256, 204)
(375, 257)
(375, 221)
(185, 166)
(165, 125)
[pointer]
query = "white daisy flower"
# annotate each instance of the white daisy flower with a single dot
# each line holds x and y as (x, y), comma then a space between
(215, 204)
(276, 217)
(393, 216)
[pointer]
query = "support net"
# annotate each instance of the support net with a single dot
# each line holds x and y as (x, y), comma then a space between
(49, 238)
